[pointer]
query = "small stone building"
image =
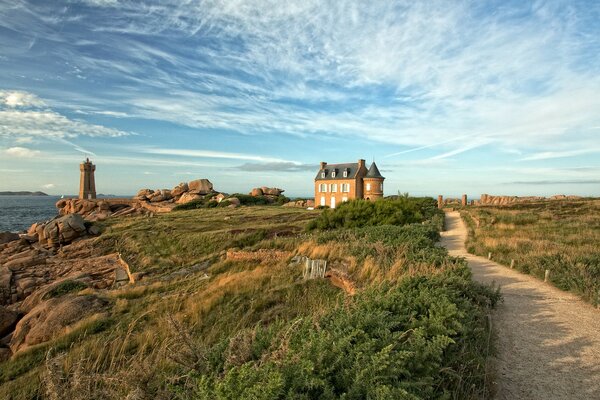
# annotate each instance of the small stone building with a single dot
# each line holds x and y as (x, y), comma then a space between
(336, 183)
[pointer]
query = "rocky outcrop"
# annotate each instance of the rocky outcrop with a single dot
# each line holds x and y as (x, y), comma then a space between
(300, 203)
(180, 189)
(33, 277)
(62, 230)
(51, 317)
(187, 197)
(8, 320)
(200, 186)
(6, 237)
(266, 191)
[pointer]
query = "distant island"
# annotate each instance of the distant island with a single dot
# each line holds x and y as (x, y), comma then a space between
(23, 194)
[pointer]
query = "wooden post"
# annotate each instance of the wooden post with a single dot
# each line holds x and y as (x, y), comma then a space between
(512, 263)
(547, 275)
(490, 255)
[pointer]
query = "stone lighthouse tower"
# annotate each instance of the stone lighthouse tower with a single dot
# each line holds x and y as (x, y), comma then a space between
(373, 183)
(87, 184)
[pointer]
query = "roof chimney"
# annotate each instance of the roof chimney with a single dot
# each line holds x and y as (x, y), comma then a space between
(361, 163)
(323, 164)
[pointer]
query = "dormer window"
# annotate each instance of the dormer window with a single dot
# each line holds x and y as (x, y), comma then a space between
(333, 174)
(323, 174)
(345, 174)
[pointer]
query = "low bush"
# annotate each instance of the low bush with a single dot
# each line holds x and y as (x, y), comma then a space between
(423, 338)
(359, 213)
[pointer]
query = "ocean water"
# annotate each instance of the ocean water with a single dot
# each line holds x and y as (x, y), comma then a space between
(18, 213)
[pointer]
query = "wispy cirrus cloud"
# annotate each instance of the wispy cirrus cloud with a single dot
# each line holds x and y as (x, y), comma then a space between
(416, 74)
(440, 81)
(558, 182)
(282, 166)
(211, 154)
(546, 155)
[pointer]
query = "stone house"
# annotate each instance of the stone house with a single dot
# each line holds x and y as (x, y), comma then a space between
(336, 183)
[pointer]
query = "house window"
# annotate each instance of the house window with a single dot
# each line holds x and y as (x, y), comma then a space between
(345, 187)
(333, 187)
(323, 187)
(345, 198)
(381, 186)
(333, 174)
(322, 174)
(368, 186)
(322, 200)
(345, 173)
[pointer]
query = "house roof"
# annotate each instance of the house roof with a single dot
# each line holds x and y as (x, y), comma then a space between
(352, 168)
(374, 172)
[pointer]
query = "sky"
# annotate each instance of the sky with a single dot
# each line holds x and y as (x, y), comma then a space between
(448, 97)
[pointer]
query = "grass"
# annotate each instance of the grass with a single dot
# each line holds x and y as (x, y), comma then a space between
(416, 327)
(65, 287)
(560, 236)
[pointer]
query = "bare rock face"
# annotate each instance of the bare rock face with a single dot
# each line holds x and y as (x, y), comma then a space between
(256, 192)
(234, 202)
(158, 199)
(144, 194)
(219, 198)
(63, 230)
(200, 186)
(6, 237)
(8, 320)
(300, 203)
(50, 317)
(272, 191)
(187, 197)
(180, 189)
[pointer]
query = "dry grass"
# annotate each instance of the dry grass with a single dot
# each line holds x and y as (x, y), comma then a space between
(157, 331)
(561, 236)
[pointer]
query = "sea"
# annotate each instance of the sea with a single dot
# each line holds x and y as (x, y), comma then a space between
(17, 213)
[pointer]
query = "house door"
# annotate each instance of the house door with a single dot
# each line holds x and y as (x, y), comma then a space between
(332, 202)
(322, 200)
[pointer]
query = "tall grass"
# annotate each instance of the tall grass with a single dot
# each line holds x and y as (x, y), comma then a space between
(252, 328)
(560, 236)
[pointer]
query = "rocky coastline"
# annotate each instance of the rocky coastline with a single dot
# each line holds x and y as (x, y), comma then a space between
(42, 269)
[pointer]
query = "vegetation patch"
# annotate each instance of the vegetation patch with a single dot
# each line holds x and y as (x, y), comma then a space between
(559, 236)
(251, 327)
(359, 213)
(63, 288)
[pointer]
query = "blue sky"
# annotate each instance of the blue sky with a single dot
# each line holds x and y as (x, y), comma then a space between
(449, 97)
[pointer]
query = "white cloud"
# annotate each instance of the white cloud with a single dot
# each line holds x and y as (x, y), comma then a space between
(49, 186)
(416, 74)
(211, 154)
(49, 124)
(21, 152)
(559, 154)
(17, 98)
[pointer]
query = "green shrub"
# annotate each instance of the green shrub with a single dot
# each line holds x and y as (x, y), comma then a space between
(191, 205)
(359, 213)
(423, 338)
(65, 287)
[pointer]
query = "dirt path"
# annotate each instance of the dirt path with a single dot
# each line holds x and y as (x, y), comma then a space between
(548, 340)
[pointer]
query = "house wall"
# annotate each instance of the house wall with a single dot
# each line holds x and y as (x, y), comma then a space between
(339, 196)
(375, 192)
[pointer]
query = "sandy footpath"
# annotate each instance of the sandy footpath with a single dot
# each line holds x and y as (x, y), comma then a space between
(548, 340)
